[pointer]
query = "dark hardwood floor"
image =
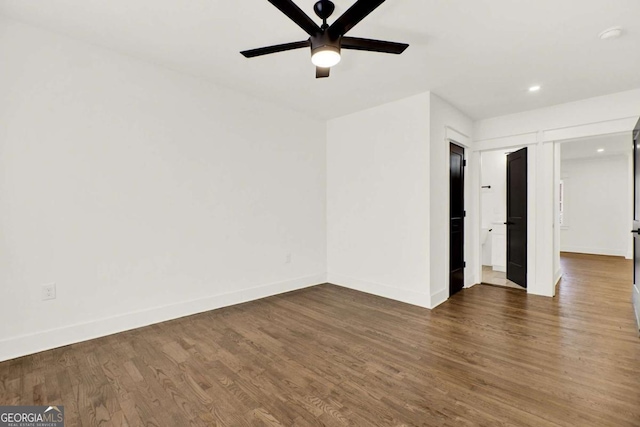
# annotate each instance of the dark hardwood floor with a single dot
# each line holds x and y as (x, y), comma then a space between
(331, 356)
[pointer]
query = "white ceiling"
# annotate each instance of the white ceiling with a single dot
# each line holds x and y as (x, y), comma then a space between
(613, 145)
(480, 55)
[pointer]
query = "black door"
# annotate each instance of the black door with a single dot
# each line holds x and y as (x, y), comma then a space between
(456, 228)
(517, 217)
(636, 221)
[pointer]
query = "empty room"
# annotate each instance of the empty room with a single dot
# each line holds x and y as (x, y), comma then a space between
(319, 213)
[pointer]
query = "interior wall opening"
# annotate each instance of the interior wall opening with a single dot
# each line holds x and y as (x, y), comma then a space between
(594, 198)
(494, 217)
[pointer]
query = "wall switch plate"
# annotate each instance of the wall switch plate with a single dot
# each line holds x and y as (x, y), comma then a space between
(49, 291)
(288, 259)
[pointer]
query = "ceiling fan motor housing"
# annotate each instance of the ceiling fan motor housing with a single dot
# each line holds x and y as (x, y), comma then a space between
(324, 41)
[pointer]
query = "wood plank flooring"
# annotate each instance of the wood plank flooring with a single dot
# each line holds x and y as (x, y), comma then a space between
(331, 356)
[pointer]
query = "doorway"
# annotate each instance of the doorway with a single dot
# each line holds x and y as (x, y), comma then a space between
(594, 200)
(595, 196)
(456, 220)
(504, 213)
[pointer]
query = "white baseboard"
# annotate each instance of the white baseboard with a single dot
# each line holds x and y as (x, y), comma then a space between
(11, 348)
(557, 276)
(439, 297)
(469, 280)
(636, 303)
(594, 251)
(385, 291)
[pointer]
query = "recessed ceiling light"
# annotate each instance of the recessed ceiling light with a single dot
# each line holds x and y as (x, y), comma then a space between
(534, 88)
(611, 33)
(600, 150)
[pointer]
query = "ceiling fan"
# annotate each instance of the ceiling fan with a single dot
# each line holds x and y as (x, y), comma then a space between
(326, 41)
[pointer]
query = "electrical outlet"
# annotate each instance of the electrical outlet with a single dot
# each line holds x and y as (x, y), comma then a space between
(288, 259)
(49, 291)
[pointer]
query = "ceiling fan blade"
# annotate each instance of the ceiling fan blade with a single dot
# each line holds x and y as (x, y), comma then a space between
(275, 49)
(322, 73)
(296, 14)
(352, 16)
(355, 43)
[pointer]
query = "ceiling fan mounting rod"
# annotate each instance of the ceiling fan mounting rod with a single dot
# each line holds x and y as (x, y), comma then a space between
(324, 9)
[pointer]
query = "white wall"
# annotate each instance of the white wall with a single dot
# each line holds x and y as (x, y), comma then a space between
(145, 194)
(590, 116)
(378, 200)
(493, 201)
(597, 205)
(388, 199)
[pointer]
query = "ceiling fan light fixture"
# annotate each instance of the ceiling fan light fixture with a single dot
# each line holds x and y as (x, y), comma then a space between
(325, 56)
(326, 41)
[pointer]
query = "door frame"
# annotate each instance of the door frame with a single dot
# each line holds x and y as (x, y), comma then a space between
(557, 230)
(464, 216)
(453, 136)
(559, 175)
(544, 164)
(531, 199)
(635, 290)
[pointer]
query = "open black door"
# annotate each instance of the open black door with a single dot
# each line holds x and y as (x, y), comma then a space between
(636, 222)
(456, 212)
(517, 217)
